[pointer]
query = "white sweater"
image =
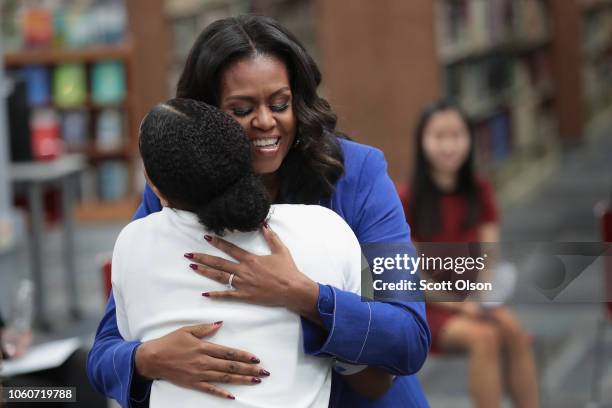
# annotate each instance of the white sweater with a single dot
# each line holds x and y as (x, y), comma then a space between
(156, 293)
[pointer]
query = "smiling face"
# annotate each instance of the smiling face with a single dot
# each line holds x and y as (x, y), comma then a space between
(446, 142)
(255, 91)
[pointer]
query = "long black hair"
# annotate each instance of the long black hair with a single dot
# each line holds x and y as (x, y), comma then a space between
(425, 196)
(314, 164)
(199, 158)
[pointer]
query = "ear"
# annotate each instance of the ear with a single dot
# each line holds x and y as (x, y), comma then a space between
(159, 195)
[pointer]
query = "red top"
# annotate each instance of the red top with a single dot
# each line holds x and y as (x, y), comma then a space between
(453, 210)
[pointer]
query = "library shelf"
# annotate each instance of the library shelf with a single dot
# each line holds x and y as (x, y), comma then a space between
(124, 52)
(50, 56)
(95, 154)
(592, 6)
(484, 108)
(457, 54)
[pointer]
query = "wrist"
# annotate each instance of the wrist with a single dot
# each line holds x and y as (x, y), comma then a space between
(303, 296)
(142, 357)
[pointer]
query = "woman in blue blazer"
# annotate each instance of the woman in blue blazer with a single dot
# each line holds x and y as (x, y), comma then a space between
(256, 71)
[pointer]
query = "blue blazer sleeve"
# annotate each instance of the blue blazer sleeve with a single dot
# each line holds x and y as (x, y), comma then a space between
(393, 336)
(110, 363)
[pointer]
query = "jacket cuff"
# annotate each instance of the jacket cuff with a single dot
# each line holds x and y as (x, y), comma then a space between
(315, 335)
(134, 389)
(349, 326)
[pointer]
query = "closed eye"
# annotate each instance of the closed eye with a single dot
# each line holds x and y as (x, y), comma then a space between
(279, 108)
(242, 112)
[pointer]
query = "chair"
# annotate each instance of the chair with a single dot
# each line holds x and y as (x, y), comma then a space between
(106, 277)
(604, 212)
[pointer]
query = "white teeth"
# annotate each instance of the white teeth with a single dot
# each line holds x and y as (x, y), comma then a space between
(266, 142)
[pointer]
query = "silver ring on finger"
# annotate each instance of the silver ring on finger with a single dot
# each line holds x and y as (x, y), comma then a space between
(229, 282)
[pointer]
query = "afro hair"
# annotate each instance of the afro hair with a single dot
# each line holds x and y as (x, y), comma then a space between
(199, 158)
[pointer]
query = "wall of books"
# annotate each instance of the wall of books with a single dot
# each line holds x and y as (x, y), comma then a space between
(496, 59)
(596, 57)
(73, 59)
(187, 18)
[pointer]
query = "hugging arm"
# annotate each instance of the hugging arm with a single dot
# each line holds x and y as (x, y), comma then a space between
(393, 336)
(110, 363)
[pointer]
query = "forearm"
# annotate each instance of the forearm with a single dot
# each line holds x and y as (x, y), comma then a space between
(111, 360)
(392, 336)
(302, 299)
(110, 364)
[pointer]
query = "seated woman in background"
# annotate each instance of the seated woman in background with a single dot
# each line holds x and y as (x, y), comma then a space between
(447, 202)
(197, 159)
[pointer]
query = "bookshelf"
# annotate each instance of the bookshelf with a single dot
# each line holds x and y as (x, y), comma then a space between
(56, 56)
(187, 18)
(92, 202)
(596, 55)
(589, 6)
(496, 61)
(457, 54)
(499, 59)
(110, 187)
(513, 65)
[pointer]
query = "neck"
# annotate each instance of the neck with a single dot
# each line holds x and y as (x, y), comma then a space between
(272, 184)
(444, 180)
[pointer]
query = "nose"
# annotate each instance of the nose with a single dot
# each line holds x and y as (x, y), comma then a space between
(264, 119)
(449, 145)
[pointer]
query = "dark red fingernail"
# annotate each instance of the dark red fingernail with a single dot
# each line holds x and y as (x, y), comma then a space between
(208, 238)
(193, 266)
(231, 397)
(264, 373)
(188, 255)
(218, 323)
(206, 294)
(255, 360)
(255, 380)
(266, 226)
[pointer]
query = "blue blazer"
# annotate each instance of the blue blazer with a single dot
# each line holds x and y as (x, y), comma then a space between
(393, 336)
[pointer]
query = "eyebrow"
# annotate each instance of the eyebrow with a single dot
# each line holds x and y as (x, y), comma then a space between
(249, 98)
